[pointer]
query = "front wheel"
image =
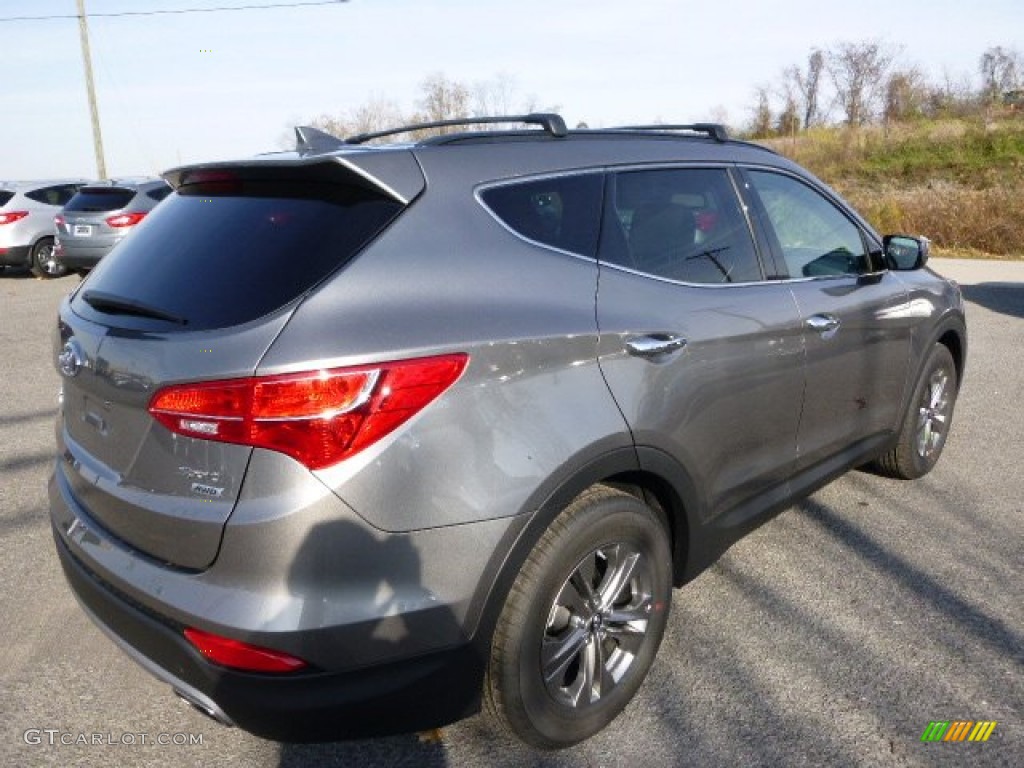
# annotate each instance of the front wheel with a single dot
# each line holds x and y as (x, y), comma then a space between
(583, 621)
(43, 260)
(927, 421)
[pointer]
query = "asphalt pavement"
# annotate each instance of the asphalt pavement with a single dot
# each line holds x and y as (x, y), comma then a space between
(832, 636)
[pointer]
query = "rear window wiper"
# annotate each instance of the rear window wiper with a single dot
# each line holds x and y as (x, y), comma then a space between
(119, 305)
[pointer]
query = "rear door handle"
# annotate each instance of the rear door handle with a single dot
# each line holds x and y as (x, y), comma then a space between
(655, 344)
(825, 324)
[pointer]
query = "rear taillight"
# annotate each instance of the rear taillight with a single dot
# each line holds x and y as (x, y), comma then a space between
(238, 655)
(59, 221)
(12, 216)
(125, 219)
(317, 417)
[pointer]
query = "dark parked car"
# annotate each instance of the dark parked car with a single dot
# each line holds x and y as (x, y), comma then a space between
(102, 214)
(358, 438)
(27, 209)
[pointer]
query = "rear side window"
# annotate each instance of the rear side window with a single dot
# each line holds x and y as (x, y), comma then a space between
(5, 197)
(159, 193)
(682, 224)
(563, 212)
(218, 255)
(56, 195)
(100, 199)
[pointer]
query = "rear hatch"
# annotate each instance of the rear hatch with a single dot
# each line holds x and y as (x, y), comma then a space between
(87, 215)
(198, 293)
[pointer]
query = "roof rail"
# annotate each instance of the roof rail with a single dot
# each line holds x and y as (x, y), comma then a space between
(310, 140)
(714, 130)
(549, 121)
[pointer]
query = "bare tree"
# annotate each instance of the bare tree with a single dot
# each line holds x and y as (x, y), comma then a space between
(1001, 71)
(859, 72)
(443, 99)
(806, 84)
(376, 114)
(788, 123)
(906, 95)
(494, 97)
(763, 119)
(952, 97)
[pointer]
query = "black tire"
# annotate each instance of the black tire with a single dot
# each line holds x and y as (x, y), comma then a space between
(43, 262)
(927, 420)
(618, 546)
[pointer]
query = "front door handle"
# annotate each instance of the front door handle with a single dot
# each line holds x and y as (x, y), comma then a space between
(825, 324)
(655, 344)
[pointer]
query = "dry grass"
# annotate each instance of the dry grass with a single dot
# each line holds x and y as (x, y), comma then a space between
(987, 222)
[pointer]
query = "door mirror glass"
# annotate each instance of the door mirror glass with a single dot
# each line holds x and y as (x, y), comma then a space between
(906, 252)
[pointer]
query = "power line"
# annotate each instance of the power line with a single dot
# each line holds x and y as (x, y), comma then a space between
(175, 11)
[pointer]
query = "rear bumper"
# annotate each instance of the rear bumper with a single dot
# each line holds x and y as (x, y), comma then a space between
(14, 255)
(78, 257)
(401, 696)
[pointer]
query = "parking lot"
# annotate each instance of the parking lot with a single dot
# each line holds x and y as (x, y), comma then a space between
(832, 636)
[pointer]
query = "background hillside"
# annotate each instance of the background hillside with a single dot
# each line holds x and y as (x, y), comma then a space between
(958, 181)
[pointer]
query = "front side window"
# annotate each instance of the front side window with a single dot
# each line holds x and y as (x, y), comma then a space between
(562, 211)
(682, 224)
(816, 239)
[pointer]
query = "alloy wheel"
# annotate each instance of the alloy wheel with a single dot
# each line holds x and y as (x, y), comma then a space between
(933, 414)
(597, 625)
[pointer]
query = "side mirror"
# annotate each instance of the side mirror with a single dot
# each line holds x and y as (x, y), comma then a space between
(904, 253)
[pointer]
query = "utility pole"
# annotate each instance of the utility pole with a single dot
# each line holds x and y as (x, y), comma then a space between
(97, 138)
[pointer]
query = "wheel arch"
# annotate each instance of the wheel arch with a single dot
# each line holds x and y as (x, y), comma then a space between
(955, 340)
(645, 473)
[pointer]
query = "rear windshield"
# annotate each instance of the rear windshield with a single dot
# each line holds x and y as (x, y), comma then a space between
(217, 256)
(100, 199)
(5, 196)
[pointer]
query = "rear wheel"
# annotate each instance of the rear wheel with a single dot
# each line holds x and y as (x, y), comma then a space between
(583, 621)
(43, 260)
(927, 421)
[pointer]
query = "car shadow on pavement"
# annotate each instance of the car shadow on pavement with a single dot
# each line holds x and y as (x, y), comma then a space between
(1005, 298)
(406, 750)
(986, 629)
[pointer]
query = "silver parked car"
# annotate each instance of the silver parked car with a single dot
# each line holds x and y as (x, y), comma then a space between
(102, 214)
(358, 439)
(27, 230)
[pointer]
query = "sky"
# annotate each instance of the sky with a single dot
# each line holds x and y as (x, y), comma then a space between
(181, 88)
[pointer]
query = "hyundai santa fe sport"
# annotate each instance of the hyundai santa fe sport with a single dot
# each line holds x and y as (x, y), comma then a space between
(365, 437)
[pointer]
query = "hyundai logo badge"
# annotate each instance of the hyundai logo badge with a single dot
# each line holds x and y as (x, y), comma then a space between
(71, 360)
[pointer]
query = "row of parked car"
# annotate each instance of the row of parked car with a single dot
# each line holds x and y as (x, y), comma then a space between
(56, 226)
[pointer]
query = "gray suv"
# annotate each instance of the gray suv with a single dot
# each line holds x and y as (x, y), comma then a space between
(362, 438)
(101, 215)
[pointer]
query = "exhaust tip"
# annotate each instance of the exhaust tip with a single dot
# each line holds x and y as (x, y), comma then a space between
(205, 707)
